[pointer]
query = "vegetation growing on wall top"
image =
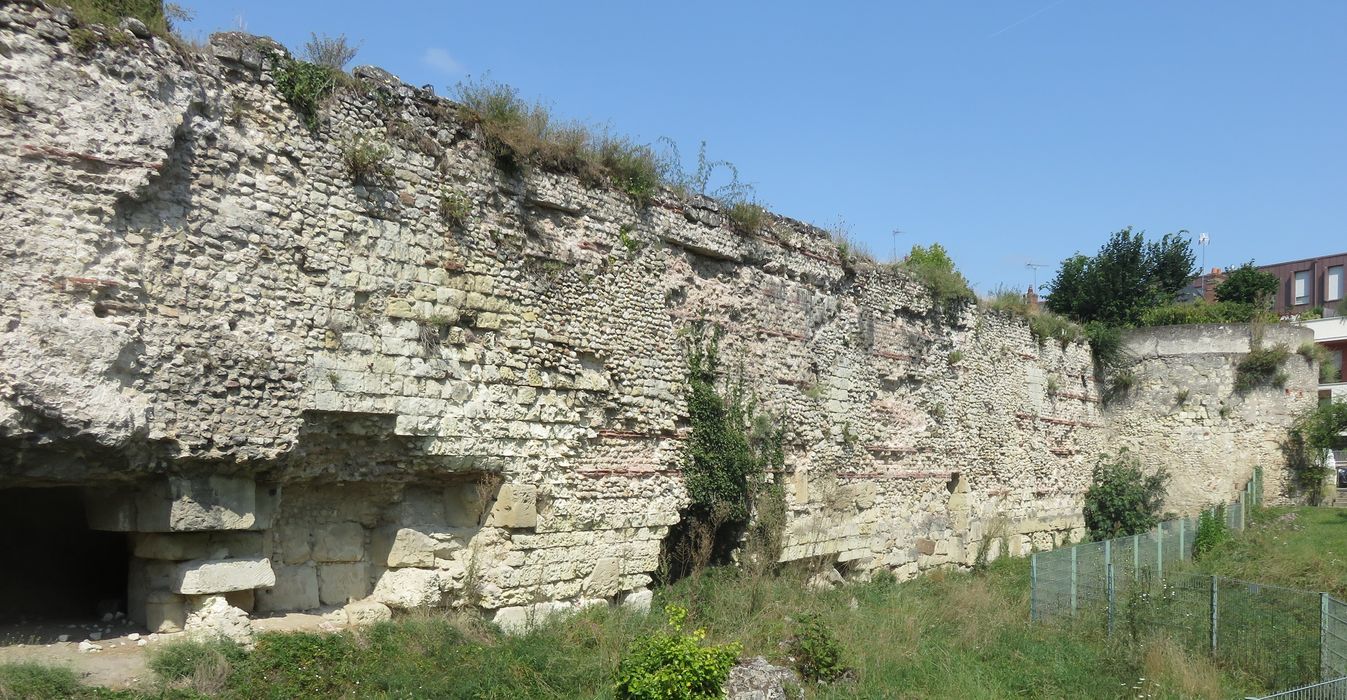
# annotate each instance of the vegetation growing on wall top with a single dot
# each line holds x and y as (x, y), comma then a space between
(933, 268)
(1262, 367)
(304, 85)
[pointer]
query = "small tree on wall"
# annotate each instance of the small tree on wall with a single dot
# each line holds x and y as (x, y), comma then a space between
(1122, 498)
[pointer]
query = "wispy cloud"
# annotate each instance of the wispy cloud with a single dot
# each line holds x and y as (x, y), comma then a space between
(1017, 23)
(440, 60)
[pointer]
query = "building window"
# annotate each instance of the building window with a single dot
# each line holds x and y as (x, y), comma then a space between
(1300, 288)
(1333, 284)
(1337, 365)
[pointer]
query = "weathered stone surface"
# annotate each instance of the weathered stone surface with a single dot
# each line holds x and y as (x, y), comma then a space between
(396, 547)
(201, 576)
(212, 617)
(339, 542)
(409, 588)
(341, 583)
(756, 679)
(516, 506)
(165, 612)
(639, 600)
(367, 612)
(605, 579)
(196, 545)
(296, 588)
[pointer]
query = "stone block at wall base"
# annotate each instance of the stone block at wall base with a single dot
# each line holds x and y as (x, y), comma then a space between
(165, 612)
(409, 588)
(341, 583)
(296, 588)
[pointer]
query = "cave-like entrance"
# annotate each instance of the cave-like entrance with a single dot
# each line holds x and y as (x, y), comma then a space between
(54, 570)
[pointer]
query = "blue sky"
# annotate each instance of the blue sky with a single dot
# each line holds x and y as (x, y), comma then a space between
(1012, 132)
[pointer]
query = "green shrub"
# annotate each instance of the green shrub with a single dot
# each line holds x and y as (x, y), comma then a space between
(633, 167)
(330, 51)
(1205, 312)
(1106, 344)
(745, 217)
(1043, 324)
(455, 208)
(1312, 314)
(1311, 435)
(815, 651)
(1123, 499)
(29, 681)
(299, 665)
(675, 666)
(1248, 285)
(180, 660)
(365, 160)
(1261, 368)
(304, 86)
(1317, 354)
(954, 357)
(1211, 531)
(933, 268)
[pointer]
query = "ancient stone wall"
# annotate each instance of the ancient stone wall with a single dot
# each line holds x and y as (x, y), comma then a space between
(1184, 412)
(297, 390)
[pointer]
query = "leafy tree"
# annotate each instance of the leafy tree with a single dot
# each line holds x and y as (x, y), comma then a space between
(1125, 278)
(1247, 284)
(1314, 432)
(1122, 499)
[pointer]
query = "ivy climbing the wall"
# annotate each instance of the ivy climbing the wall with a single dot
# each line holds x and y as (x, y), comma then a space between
(731, 449)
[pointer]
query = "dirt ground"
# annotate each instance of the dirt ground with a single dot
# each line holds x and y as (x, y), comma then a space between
(119, 662)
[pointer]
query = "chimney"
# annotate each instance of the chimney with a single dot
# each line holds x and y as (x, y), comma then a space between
(1031, 297)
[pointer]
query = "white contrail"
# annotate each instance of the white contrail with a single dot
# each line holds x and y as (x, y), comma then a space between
(1012, 25)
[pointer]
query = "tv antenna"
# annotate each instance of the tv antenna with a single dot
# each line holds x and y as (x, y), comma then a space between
(1202, 240)
(1034, 266)
(895, 233)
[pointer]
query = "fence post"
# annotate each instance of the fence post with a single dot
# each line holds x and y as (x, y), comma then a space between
(1160, 552)
(1033, 586)
(1323, 636)
(1182, 520)
(1073, 580)
(1214, 608)
(1136, 557)
(1108, 581)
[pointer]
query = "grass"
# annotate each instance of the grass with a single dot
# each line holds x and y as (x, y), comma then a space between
(1043, 324)
(944, 635)
(1293, 547)
(522, 134)
(1262, 368)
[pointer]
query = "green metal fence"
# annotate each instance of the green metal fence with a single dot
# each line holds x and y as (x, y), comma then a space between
(1140, 585)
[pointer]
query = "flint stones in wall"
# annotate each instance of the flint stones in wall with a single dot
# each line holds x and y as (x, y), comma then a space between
(409, 588)
(203, 576)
